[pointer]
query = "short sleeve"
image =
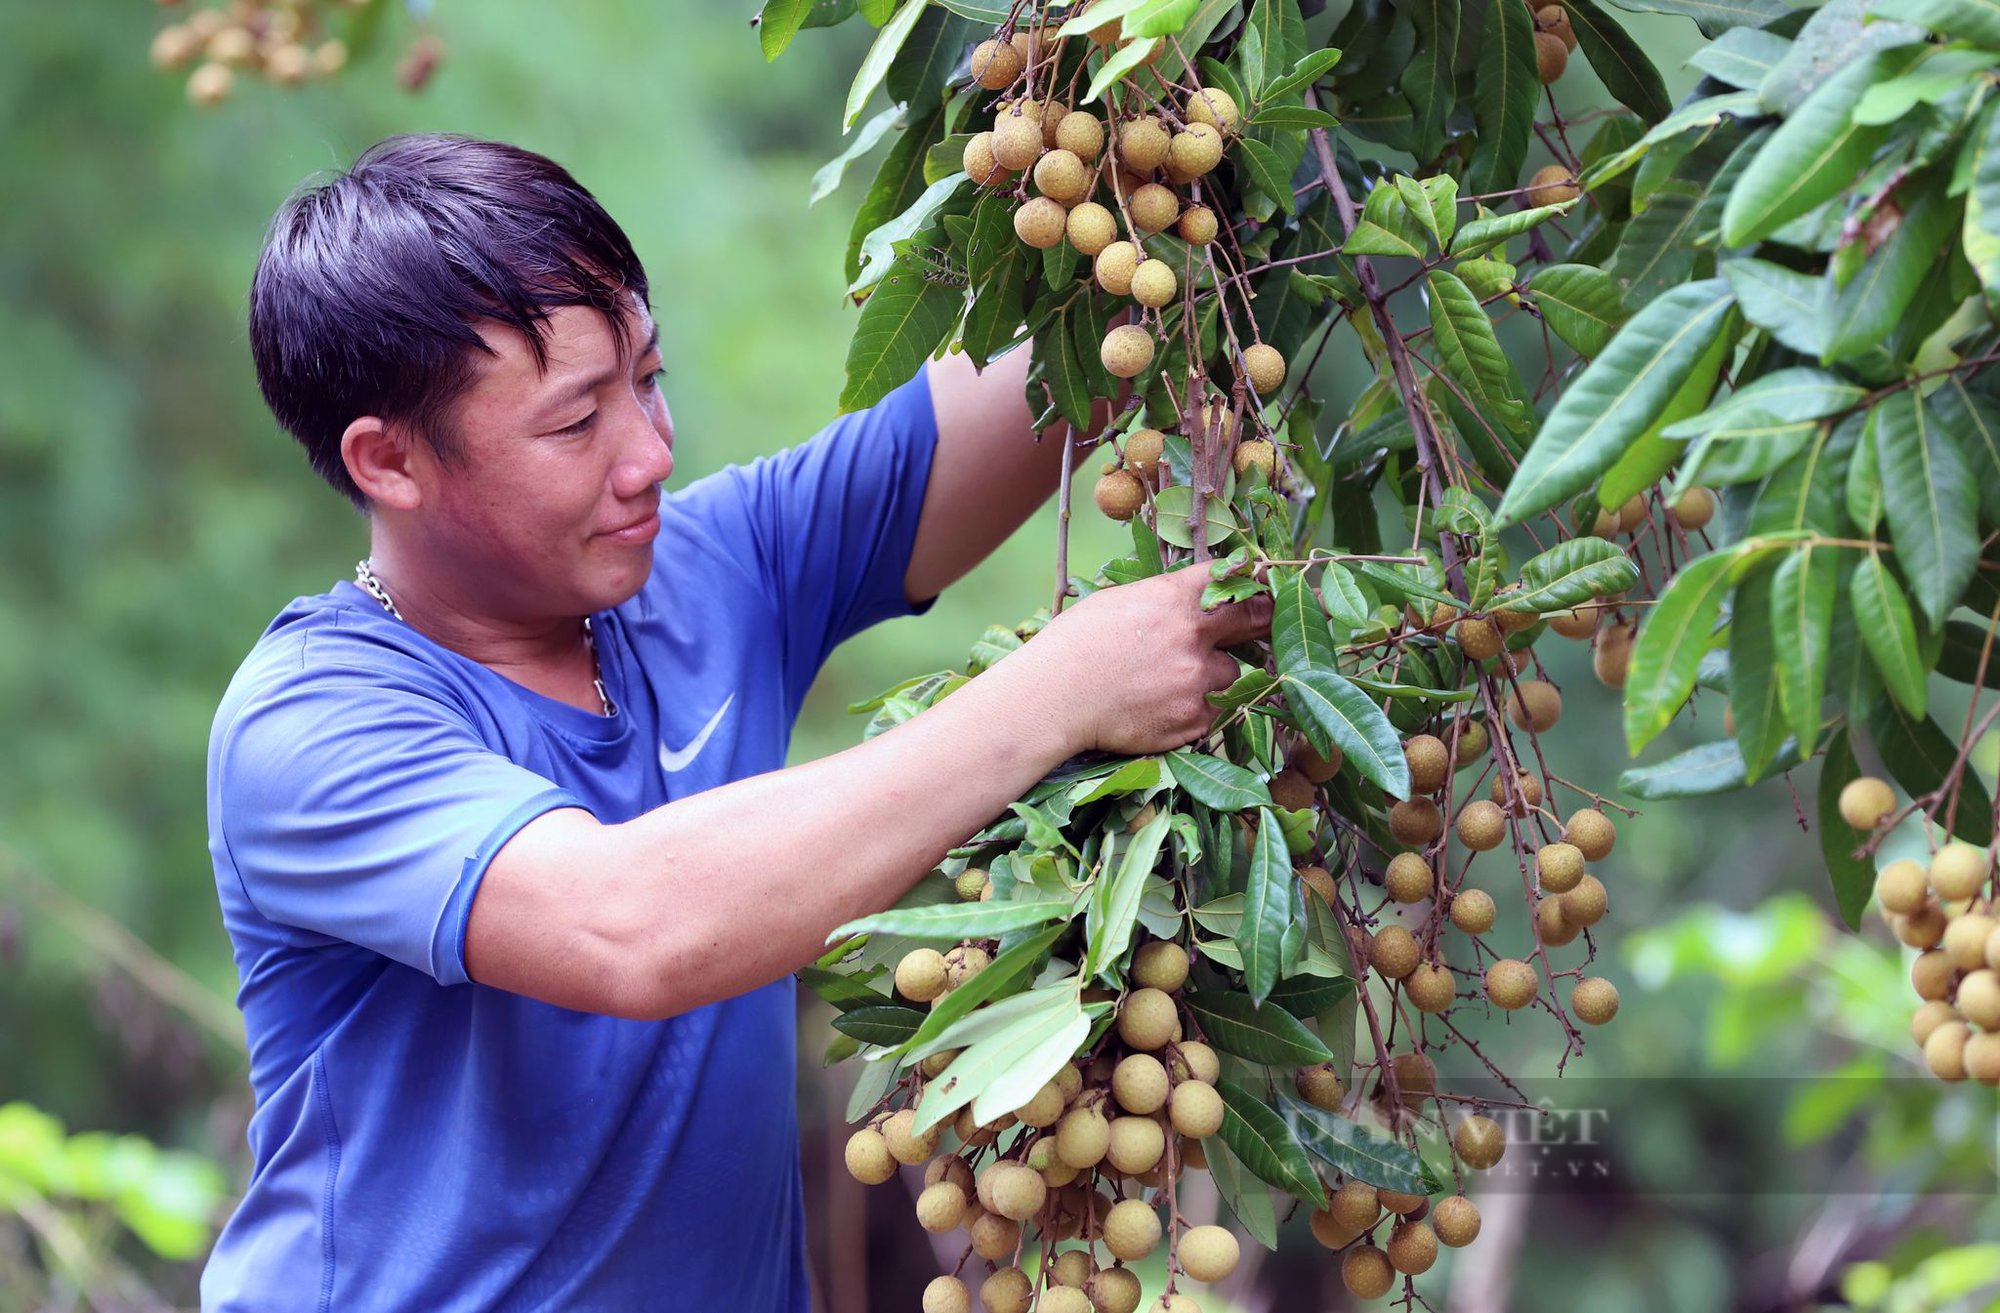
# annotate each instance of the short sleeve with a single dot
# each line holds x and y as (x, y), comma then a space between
(832, 522)
(366, 811)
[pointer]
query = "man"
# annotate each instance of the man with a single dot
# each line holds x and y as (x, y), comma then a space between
(515, 880)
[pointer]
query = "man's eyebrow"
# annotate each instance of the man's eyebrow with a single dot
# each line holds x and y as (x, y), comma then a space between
(585, 387)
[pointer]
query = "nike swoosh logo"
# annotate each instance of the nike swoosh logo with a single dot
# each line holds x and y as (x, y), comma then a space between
(671, 761)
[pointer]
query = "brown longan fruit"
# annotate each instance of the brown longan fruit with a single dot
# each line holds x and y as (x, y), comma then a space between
(210, 84)
(1429, 762)
(920, 976)
(1416, 822)
(1041, 223)
(1115, 1290)
(1143, 144)
(940, 1207)
(1928, 1017)
(868, 1158)
(906, 1144)
(1127, 350)
(1456, 1221)
(1146, 1019)
(1139, 1083)
(289, 64)
(1611, 657)
(1195, 1109)
(1594, 1000)
(1552, 185)
(995, 64)
(1154, 208)
(934, 1065)
(1367, 1272)
(1010, 1290)
(1081, 133)
(1865, 802)
(1073, 1267)
(1551, 56)
(1082, 1137)
(1197, 225)
(1982, 1057)
(1018, 1192)
(1160, 964)
(1408, 879)
(1559, 866)
(1207, 1253)
(1320, 881)
(1320, 1085)
(1407, 1205)
(173, 46)
(1062, 177)
(1043, 1109)
(1471, 745)
(1923, 928)
(1482, 826)
(1215, 107)
(1944, 1050)
(950, 1167)
(1511, 984)
(1131, 1230)
(1555, 929)
(1263, 368)
(1394, 953)
(1959, 870)
(1526, 794)
(1592, 832)
(1430, 987)
(947, 1294)
(1119, 494)
(1534, 704)
(1291, 790)
(1259, 453)
(1154, 284)
(1478, 638)
(1553, 18)
(1017, 139)
(1309, 763)
(993, 1237)
(1472, 911)
(1573, 623)
(1979, 998)
(1965, 939)
(1143, 449)
(1413, 1247)
(1586, 904)
(1115, 266)
(978, 162)
(1355, 1205)
(1330, 1232)
(1196, 151)
(1479, 1140)
(1693, 509)
(1063, 1299)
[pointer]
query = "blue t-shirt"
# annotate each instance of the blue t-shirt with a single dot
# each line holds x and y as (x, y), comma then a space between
(424, 1142)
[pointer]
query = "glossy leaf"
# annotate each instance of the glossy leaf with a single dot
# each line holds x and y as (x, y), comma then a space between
(1036, 1022)
(1470, 353)
(1267, 908)
(954, 920)
(1981, 229)
(1931, 506)
(1572, 572)
(1581, 304)
(1753, 679)
(1269, 1035)
(1216, 783)
(1506, 91)
(1699, 772)
(1618, 61)
(1308, 69)
(887, 1024)
(1490, 230)
(1890, 632)
(1978, 20)
(1959, 655)
(875, 64)
(1859, 315)
(1259, 1137)
(1783, 302)
(1802, 596)
(1351, 1148)
(1300, 638)
(1671, 644)
(1973, 421)
(1009, 972)
(1714, 16)
(778, 22)
(1342, 714)
(1248, 1198)
(1114, 898)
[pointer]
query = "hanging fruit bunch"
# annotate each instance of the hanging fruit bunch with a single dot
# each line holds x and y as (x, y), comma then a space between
(284, 43)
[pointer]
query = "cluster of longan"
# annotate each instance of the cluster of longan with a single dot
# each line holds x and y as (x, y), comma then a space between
(280, 41)
(1554, 39)
(1946, 913)
(1122, 486)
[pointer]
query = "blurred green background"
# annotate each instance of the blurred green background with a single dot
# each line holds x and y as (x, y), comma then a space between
(153, 519)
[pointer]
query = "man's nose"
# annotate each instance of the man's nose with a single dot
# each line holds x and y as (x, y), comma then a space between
(648, 457)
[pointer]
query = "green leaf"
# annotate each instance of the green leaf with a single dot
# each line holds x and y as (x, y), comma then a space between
(1919, 754)
(1300, 639)
(1863, 489)
(1715, 16)
(1490, 230)
(899, 184)
(1129, 56)
(1306, 71)
(1796, 394)
(1012, 969)
(1958, 658)
(878, 248)
(1858, 316)
(1267, 908)
(1114, 900)
(1836, 35)
(1650, 456)
(778, 22)
(843, 992)
(1580, 303)
(1977, 20)
(1434, 202)
(1270, 1035)
(1946, 71)
(1333, 708)
(1260, 1138)
(1292, 116)
(1814, 154)
(1386, 226)
(1699, 772)
(875, 65)
(1470, 353)
(1348, 1147)
(1671, 643)
(1802, 597)
(1161, 18)
(1174, 505)
(888, 1024)
(1005, 1034)
(1981, 230)
(1572, 572)
(1427, 79)
(954, 920)
(1890, 632)
(1268, 171)
(1306, 996)
(1853, 877)
(1618, 61)
(1506, 90)
(1781, 301)
(922, 69)
(1248, 1199)
(1742, 57)
(1931, 505)
(1973, 421)
(1037, 1057)
(1213, 782)
(902, 323)
(1618, 397)
(1753, 682)
(1345, 606)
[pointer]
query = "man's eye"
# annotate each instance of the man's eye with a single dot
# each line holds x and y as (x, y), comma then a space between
(580, 425)
(653, 378)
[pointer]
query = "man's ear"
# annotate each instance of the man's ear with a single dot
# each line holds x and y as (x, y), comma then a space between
(381, 458)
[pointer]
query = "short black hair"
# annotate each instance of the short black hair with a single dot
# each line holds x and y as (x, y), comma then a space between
(369, 286)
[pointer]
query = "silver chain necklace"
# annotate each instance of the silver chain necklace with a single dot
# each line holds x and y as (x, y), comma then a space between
(364, 574)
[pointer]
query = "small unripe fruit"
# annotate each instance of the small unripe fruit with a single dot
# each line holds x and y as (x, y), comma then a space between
(1259, 453)
(1040, 222)
(1197, 225)
(1551, 56)
(1594, 1000)
(1944, 1051)
(868, 1158)
(1429, 762)
(1142, 144)
(1139, 1083)
(1154, 284)
(1478, 639)
(1979, 998)
(920, 976)
(1264, 368)
(971, 885)
(947, 1294)
(1195, 1109)
(1534, 704)
(1408, 879)
(1367, 1272)
(1431, 988)
(1586, 904)
(1479, 1141)
(1215, 107)
(1472, 911)
(1552, 185)
(1119, 494)
(1017, 139)
(1114, 268)
(1416, 822)
(1559, 866)
(1207, 1253)
(1127, 350)
(1959, 870)
(995, 64)
(1693, 509)
(1154, 208)
(1413, 1247)
(1592, 832)
(1472, 743)
(1865, 802)
(1131, 1230)
(1482, 826)
(1511, 984)
(1062, 177)
(1320, 1085)
(1555, 930)
(1081, 133)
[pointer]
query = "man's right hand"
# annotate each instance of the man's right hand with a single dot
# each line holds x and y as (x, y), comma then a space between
(1129, 668)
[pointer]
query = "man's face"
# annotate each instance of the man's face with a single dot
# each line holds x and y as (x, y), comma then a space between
(550, 503)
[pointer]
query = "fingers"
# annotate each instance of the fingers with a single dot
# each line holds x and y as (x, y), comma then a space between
(1239, 622)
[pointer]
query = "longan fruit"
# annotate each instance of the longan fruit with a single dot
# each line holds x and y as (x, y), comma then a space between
(994, 1237)
(1367, 1272)
(1993, 950)
(1320, 881)
(1479, 1141)
(1114, 267)
(1119, 494)
(1063, 1299)
(1482, 826)
(1416, 822)
(905, 1144)
(232, 45)
(1923, 928)
(1472, 743)
(1559, 866)
(1965, 939)
(1959, 870)
(1944, 1050)
(1573, 623)
(1082, 1137)
(1429, 762)
(1074, 1267)
(1928, 1017)
(1127, 350)
(1010, 1290)
(934, 1065)
(1196, 1061)
(1195, 1109)
(1456, 1221)
(1413, 1247)
(1320, 1085)
(1552, 185)
(1142, 144)
(1196, 151)
(289, 64)
(947, 1294)
(1215, 107)
(1081, 133)
(1416, 1081)
(1137, 1144)
(329, 58)
(1553, 18)
(210, 84)
(1478, 639)
(1314, 767)
(1154, 284)
(1979, 998)
(1043, 1109)
(1154, 207)
(1115, 1290)
(920, 976)
(1594, 1000)
(1197, 225)
(1207, 1253)
(1611, 657)
(1982, 1057)
(868, 1158)
(1408, 879)
(1592, 832)
(1865, 802)
(964, 962)
(1472, 911)
(1160, 964)
(1633, 513)
(1527, 793)
(1143, 449)
(1259, 453)
(1018, 1193)
(1174, 1303)
(1147, 1019)
(1430, 988)
(995, 64)
(1062, 177)
(1355, 1205)
(1554, 928)
(940, 1207)
(1053, 112)
(951, 1168)
(971, 884)
(1041, 223)
(1534, 704)
(1264, 368)
(1017, 139)
(1693, 509)
(173, 46)
(1330, 1232)
(1511, 984)
(1139, 1083)
(1586, 904)
(1131, 1230)
(1395, 953)
(1403, 1204)
(1291, 790)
